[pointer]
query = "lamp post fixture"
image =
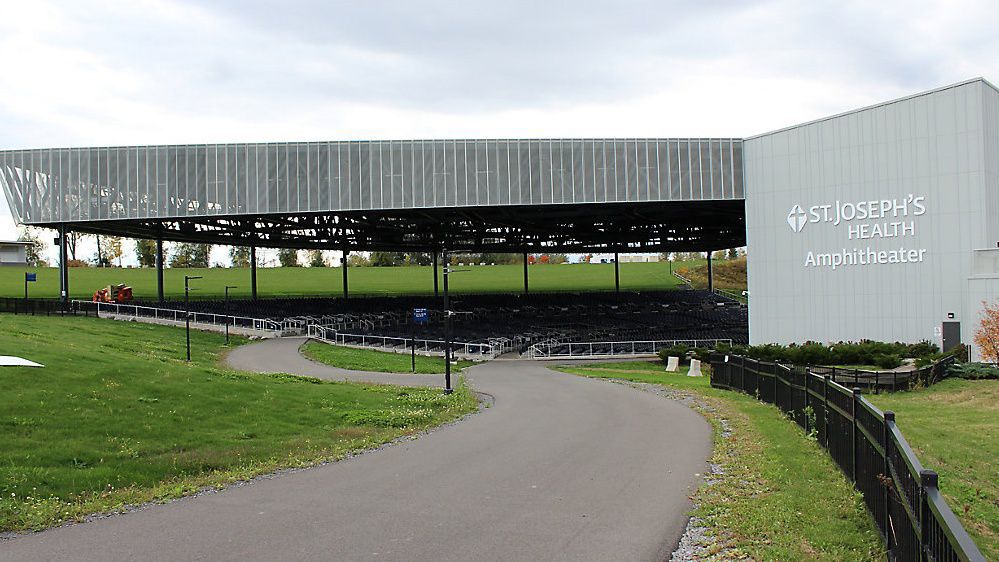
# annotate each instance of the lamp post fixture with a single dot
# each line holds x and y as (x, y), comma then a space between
(227, 287)
(187, 310)
(670, 260)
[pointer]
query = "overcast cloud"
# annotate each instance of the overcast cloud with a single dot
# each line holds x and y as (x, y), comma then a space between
(158, 71)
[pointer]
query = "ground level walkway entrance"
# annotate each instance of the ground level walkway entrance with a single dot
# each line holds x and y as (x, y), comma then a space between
(557, 468)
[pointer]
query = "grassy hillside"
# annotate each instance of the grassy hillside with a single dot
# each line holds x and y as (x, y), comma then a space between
(953, 426)
(362, 280)
(728, 274)
(117, 417)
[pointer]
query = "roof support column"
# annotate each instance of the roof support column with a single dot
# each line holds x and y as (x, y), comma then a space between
(711, 277)
(63, 267)
(159, 268)
(436, 289)
(617, 273)
(526, 285)
(253, 271)
(343, 271)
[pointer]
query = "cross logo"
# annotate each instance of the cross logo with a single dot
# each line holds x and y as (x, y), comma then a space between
(797, 218)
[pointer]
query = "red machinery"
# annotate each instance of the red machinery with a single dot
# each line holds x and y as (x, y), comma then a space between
(113, 293)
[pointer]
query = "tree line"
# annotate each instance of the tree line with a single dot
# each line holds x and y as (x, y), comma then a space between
(110, 251)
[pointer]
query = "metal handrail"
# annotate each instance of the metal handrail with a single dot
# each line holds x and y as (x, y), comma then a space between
(479, 350)
(623, 348)
(686, 281)
(173, 315)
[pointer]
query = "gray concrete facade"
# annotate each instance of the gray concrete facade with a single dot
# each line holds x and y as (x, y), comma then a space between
(865, 225)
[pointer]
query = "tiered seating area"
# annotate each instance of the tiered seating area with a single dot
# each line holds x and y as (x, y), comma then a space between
(526, 319)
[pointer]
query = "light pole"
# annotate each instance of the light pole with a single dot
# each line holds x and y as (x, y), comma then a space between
(187, 310)
(447, 326)
(670, 260)
(227, 287)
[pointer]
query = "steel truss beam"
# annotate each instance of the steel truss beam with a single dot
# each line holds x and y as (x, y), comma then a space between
(618, 227)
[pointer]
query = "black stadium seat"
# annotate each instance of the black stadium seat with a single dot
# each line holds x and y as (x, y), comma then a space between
(565, 317)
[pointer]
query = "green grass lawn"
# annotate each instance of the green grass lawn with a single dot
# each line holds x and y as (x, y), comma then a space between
(116, 417)
(953, 427)
(780, 497)
(377, 361)
(324, 281)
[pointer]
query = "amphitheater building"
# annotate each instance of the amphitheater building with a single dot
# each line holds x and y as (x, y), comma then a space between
(880, 223)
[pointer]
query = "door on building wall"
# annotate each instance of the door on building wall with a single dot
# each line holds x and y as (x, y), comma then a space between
(951, 335)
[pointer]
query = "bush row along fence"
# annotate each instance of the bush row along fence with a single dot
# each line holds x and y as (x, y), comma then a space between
(902, 496)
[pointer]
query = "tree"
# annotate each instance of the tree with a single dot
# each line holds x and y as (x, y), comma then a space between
(100, 254)
(733, 253)
(419, 258)
(113, 249)
(71, 240)
(288, 257)
(35, 251)
(987, 335)
(387, 259)
(504, 258)
(558, 258)
(145, 252)
(240, 256)
(358, 260)
(190, 255)
(316, 258)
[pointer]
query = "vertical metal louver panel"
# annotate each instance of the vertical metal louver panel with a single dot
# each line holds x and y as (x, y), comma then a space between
(158, 182)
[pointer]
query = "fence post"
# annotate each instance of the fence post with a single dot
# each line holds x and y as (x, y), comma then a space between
(742, 374)
(853, 436)
(825, 410)
(889, 418)
(808, 430)
(776, 371)
(927, 479)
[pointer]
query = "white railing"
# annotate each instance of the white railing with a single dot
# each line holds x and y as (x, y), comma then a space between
(549, 350)
(389, 343)
(733, 295)
(685, 280)
(173, 315)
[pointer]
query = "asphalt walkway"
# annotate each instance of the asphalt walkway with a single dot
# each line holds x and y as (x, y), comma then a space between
(558, 468)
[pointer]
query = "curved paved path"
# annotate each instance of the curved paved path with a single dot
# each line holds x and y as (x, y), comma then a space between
(559, 468)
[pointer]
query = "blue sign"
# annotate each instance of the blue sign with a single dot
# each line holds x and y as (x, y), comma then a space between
(31, 277)
(421, 316)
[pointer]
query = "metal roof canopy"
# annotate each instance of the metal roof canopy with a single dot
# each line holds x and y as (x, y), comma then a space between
(475, 195)
(622, 227)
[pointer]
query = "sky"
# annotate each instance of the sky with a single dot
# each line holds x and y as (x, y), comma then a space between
(82, 73)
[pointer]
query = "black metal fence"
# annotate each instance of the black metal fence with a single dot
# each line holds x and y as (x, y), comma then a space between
(877, 381)
(902, 496)
(41, 307)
